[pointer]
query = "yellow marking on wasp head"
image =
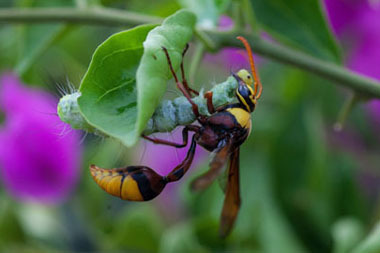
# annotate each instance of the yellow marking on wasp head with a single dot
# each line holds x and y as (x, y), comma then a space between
(242, 117)
(130, 190)
(252, 97)
(246, 77)
(242, 99)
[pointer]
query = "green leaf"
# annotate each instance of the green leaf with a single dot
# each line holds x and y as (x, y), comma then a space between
(299, 23)
(139, 227)
(346, 233)
(126, 79)
(11, 231)
(153, 72)
(37, 39)
(180, 238)
(207, 11)
(371, 244)
(108, 100)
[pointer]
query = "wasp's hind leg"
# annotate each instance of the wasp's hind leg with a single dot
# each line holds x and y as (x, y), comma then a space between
(184, 81)
(185, 135)
(178, 172)
(139, 183)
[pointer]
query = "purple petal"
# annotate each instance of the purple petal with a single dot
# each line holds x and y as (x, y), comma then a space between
(225, 23)
(343, 13)
(163, 159)
(38, 162)
(357, 26)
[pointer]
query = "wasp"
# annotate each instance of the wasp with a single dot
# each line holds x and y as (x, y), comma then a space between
(222, 133)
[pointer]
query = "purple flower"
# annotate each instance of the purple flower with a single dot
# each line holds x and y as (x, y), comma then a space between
(228, 58)
(38, 162)
(356, 24)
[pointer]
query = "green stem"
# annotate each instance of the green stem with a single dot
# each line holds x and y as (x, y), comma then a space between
(359, 83)
(195, 61)
(98, 16)
(239, 20)
(345, 111)
(104, 16)
(206, 40)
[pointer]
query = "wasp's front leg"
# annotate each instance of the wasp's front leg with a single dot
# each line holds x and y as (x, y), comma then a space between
(182, 88)
(184, 81)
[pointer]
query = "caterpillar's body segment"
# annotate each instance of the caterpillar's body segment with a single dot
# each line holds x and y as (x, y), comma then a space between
(168, 115)
(135, 183)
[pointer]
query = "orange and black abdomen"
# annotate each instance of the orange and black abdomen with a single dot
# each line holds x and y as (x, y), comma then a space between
(135, 183)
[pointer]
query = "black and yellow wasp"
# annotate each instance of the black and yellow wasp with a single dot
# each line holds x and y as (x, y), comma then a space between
(222, 132)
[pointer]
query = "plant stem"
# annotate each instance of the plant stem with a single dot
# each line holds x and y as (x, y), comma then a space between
(196, 60)
(23, 67)
(104, 16)
(345, 111)
(98, 16)
(359, 83)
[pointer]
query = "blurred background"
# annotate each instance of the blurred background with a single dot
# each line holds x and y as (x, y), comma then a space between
(305, 187)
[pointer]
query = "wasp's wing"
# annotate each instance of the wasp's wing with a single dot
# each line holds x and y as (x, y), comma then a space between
(232, 200)
(216, 166)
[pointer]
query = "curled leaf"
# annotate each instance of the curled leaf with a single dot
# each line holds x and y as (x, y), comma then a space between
(127, 76)
(108, 89)
(153, 72)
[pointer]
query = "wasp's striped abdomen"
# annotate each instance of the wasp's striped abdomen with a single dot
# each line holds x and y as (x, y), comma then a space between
(135, 183)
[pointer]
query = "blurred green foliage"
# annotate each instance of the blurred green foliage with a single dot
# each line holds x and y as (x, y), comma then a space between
(304, 187)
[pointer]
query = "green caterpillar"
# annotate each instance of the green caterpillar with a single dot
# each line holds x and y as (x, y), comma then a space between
(167, 116)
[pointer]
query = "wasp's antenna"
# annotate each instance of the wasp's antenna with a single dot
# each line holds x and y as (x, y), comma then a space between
(255, 75)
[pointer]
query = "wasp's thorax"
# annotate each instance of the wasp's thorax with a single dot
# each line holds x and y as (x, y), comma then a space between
(244, 91)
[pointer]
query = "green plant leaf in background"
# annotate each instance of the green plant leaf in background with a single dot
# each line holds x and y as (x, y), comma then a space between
(108, 100)
(153, 72)
(207, 11)
(371, 244)
(346, 233)
(299, 23)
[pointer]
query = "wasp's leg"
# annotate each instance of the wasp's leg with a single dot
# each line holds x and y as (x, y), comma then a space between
(178, 172)
(216, 166)
(181, 87)
(210, 105)
(184, 81)
(185, 134)
(135, 183)
(139, 183)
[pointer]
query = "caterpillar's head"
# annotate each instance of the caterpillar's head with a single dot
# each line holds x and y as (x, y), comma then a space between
(249, 87)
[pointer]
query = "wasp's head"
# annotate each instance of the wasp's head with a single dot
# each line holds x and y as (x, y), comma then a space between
(249, 86)
(244, 91)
